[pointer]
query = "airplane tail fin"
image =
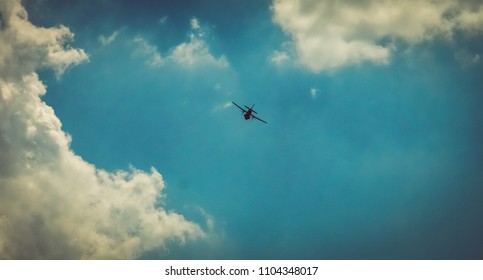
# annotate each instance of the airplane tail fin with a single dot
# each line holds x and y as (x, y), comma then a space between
(251, 108)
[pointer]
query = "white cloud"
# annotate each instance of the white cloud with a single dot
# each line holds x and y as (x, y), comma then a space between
(148, 50)
(279, 57)
(53, 204)
(285, 56)
(109, 39)
(196, 52)
(195, 25)
(193, 53)
(314, 92)
(223, 106)
(331, 34)
(26, 47)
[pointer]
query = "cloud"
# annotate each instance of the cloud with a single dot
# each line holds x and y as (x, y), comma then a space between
(193, 53)
(467, 59)
(163, 20)
(25, 47)
(332, 34)
(223, 106)
(153, 57)
(284, 56)
(195, 25)
(53, 204)
(104, 41)
(314, 92)
(279, 57)
(196, 52)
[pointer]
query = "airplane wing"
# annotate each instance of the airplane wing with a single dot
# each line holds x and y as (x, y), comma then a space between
(239, 107)
(259, 119)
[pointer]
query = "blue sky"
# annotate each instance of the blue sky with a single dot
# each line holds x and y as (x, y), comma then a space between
(374, 142)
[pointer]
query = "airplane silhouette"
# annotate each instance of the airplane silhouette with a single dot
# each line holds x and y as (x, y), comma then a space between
(248, 114)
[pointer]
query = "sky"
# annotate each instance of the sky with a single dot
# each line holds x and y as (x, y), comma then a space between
(118, 138)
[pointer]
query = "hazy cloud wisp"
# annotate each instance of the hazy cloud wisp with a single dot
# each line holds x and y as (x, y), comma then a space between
(193, 53)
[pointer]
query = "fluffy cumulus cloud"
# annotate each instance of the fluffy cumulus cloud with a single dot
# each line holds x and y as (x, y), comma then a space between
(53, 204)
(331, 34)
(25, 47)
(193, 53)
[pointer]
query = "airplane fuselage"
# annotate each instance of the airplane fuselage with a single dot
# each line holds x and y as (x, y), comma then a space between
(248, 114)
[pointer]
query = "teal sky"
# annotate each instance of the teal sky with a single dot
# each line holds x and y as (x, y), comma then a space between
(374, 142)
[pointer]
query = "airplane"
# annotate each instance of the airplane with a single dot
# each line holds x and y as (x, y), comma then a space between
(248, 114)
